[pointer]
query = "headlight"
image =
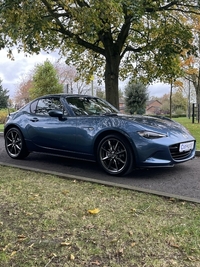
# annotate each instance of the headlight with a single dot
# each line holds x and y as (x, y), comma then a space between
(151, 135)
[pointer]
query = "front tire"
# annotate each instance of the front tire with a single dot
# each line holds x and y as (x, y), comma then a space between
(114, 155)
(15, 144)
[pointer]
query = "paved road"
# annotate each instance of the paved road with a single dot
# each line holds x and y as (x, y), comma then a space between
(181, 181)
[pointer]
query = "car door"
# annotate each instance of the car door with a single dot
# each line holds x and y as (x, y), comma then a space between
(51, 132)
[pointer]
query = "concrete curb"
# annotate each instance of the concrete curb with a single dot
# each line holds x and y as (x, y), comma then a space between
(107, 183)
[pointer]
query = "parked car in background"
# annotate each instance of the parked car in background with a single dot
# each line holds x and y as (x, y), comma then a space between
(89, 128)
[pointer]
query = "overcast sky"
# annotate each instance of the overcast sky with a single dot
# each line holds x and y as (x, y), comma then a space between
(12, 71)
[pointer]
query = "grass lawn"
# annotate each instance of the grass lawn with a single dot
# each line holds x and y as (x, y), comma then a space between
(1, 127)
(194, 129)
(50, 221)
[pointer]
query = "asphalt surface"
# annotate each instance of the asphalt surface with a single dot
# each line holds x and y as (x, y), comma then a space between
(182, 181)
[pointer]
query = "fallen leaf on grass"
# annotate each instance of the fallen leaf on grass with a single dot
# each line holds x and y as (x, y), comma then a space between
(31, 245)
(13, 253)
(28, 213)
(114, 240)
(65, 192)
(94, 211)
(65, 244)
(133, 210)
(173, 244)
(130, 233)
(72, 257)
(191, 258)
(52, 255)
(21, 238)
(4, 249)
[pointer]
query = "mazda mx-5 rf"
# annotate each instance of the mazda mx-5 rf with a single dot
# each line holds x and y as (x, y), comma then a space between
(89, 128)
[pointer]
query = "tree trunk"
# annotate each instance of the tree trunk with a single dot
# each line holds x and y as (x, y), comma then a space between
(196, 83)
(197, 89)
(112, 80)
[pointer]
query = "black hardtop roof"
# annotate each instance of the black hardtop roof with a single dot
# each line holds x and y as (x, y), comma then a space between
(66, 95)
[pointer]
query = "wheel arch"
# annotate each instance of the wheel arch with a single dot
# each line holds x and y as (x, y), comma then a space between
(8, 127)
(16, 142)
(109, 132)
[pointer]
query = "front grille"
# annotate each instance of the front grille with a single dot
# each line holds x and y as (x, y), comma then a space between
(176, 155)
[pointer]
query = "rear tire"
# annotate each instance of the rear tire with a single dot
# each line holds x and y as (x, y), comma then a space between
(15, 144)
(114, 155)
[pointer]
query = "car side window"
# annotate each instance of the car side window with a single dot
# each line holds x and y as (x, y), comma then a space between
(44, 105)
(77, 106)
(33, 106)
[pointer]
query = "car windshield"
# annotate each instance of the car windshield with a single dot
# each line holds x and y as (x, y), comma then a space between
(90, 106)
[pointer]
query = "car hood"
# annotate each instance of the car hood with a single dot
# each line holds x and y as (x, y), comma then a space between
(162, 124)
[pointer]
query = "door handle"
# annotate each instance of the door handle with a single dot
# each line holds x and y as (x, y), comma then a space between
(34, 120)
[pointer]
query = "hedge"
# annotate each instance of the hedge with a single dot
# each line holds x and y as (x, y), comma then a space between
(3, 115)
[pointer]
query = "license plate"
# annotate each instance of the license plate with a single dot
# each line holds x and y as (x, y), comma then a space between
(186, 146)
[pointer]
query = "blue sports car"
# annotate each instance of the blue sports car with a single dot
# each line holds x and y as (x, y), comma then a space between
(87, 127)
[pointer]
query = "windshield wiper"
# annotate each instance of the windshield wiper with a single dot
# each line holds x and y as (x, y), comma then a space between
(109, 114)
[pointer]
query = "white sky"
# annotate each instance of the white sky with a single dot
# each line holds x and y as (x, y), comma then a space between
(12, 71)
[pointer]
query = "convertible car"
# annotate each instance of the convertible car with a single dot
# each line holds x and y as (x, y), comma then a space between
(89, 128)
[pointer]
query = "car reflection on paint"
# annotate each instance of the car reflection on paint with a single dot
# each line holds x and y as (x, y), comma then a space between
(89, 128)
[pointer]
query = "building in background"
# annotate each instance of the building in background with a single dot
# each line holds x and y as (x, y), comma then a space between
(153, 107)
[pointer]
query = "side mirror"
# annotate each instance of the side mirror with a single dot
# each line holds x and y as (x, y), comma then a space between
(56, 113)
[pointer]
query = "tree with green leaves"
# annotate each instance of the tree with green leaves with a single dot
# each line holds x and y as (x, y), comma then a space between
(191, 64)
(136, 96)
(115, 37)
(179, 103)
(3, 96)
(45, 80)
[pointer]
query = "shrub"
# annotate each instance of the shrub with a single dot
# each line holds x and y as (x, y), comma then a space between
(3, 115)
(179, 111)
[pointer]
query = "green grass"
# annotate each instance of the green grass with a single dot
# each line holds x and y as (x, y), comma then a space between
(44, 221)
(1, 127)
(194, 129)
